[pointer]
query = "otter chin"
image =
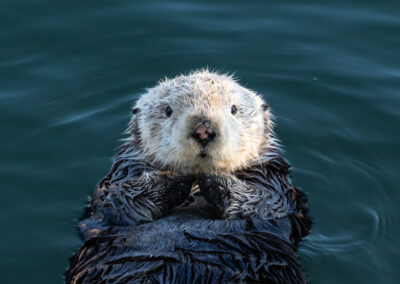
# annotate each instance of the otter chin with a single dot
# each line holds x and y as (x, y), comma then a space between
(203, 154)
(198, 193)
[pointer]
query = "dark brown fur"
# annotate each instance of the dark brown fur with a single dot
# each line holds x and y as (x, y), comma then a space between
(121, 246)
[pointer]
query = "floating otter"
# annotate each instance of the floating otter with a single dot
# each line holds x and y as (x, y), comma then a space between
(198, 193)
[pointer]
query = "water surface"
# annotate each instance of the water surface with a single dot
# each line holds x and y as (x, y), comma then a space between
(70, 71)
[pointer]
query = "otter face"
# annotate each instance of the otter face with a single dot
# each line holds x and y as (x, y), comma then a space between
(203, 122)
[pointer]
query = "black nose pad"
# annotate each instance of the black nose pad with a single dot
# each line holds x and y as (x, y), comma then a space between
(204, 133)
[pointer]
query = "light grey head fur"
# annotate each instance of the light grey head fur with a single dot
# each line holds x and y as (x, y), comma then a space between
(242, 139)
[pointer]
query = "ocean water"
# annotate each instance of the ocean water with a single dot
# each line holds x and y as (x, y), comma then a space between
(71, 70)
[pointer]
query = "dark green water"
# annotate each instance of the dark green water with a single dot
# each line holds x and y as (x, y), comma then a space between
(70, 71)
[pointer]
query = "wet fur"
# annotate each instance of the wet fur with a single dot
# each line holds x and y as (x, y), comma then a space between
(243, 224)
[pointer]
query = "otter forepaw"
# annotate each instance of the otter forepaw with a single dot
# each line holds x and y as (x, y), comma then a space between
(213, 189)
(179, 190)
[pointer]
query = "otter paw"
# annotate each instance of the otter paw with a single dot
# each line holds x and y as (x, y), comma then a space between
(206, 183)
(179, 190)
(211, 186)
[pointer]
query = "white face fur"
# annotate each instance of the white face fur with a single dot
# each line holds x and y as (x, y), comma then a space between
(167, 115)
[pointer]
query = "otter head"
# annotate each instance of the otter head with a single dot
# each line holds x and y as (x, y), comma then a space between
(202, 122)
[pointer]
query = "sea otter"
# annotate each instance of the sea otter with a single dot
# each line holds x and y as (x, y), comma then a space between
(198, 193)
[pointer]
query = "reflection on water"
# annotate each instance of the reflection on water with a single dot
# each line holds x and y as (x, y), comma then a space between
(71, 71)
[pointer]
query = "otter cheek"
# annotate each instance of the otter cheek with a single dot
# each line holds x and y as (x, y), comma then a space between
(185, 145)
(224, 147)
(236, 153)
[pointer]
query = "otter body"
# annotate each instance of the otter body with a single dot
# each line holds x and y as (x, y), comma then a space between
(198, 193)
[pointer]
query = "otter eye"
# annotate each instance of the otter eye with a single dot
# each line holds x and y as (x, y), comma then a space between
(168, 111)
(233, 109)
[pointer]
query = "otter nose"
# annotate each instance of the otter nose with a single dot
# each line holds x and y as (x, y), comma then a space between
(204, 133)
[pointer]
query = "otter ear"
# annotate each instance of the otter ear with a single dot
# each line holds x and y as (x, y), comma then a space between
(135, 110)
(265, 107)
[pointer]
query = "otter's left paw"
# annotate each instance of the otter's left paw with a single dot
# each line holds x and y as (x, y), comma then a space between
(213, 189)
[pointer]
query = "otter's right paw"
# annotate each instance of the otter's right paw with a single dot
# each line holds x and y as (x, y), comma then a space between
(179, 190)
(214, 191)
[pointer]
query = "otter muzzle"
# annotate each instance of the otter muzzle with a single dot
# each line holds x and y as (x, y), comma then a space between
(204, 133)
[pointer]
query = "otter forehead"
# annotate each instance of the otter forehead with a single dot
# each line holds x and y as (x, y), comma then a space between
(199, 89)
